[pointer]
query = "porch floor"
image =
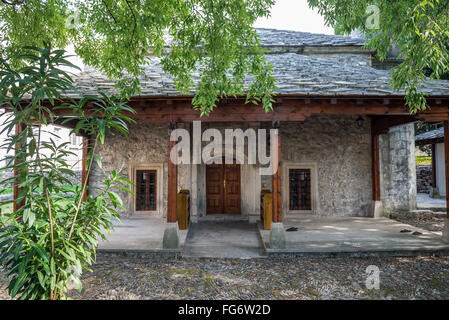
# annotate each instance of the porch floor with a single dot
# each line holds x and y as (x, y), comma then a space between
(341, 235)
(427, 203)
(138, 234)
(316, 235)
(223, 239)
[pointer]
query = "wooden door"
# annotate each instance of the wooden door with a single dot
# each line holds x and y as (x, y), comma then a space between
(231, 188)
(214, 189)
(223, 189)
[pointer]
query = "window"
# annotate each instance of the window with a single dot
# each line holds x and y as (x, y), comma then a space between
(146, 185)
(300, 189)
(148, 191)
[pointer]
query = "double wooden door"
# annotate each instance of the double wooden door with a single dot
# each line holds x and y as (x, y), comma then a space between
(223, 189)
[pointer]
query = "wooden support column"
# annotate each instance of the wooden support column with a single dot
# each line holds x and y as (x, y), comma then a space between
(84, 177)
(446, 163)
(17, 205)
(276, 178)
(376, 166)
(172, 180)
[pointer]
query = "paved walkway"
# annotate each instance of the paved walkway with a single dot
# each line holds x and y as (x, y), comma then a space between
(315, 236)
(427, 203)
(223, 240)
(343, 235)
(138, 234)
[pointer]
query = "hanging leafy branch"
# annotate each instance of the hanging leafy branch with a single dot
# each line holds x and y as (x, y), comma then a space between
(47, 243)
(211, 38)
(418, 28)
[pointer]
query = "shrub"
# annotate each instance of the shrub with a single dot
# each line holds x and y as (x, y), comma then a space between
(53, 236)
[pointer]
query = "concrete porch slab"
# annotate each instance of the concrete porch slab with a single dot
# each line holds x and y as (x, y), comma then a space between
(139, 235)
(354, 236)
(316, 236)
(425, 202)
(223, 239)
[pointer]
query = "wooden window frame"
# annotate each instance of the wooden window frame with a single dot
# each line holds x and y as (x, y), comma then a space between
(303, 176)
(132, 206)
(313, 167)
(148, 184)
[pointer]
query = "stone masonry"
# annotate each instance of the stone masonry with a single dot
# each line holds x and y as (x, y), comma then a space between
(145, 144)
(342, 152)
(335, 145)
(423, 179)
(398, 172)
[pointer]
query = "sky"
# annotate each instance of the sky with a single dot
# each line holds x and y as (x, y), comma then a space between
(294, 15)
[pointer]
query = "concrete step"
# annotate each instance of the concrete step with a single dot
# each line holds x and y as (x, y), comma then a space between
(435, 209)
(419, 214)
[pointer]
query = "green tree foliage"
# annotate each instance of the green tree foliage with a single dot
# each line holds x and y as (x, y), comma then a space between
(419, 28)
(212, 38)
(47, 243)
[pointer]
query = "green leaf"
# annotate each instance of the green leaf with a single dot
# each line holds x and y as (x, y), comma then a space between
(40, 250)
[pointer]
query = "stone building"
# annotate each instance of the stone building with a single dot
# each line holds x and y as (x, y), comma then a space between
(57, 133)
(343, 139)
(435, 138)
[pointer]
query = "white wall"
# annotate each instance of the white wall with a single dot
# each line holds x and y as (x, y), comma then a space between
(63, 135)
(440, 174)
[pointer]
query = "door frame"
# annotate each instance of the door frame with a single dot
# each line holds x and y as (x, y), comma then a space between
(160, 206)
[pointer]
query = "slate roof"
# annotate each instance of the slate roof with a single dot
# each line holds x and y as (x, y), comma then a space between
(273, 37)
(431, 135)
(295, 75)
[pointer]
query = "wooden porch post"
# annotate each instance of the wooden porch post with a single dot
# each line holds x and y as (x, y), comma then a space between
(171, 236)
(277, 233)
(377, 208)
(376, 166)
(84, 177)
(16, 206)
(276, 178)
(172, 180)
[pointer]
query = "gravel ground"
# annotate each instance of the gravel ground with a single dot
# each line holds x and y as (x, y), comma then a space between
(125, 277)
(132, 277)
(430, 224)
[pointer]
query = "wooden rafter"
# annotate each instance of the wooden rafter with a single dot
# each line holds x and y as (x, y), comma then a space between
(286, 108)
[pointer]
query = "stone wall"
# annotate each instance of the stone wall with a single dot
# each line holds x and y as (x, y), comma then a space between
(423, 179)
(146, 144)
(398, 171)
(342, 152)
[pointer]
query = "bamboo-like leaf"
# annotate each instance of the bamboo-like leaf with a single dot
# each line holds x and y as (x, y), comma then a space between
(41, 252)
